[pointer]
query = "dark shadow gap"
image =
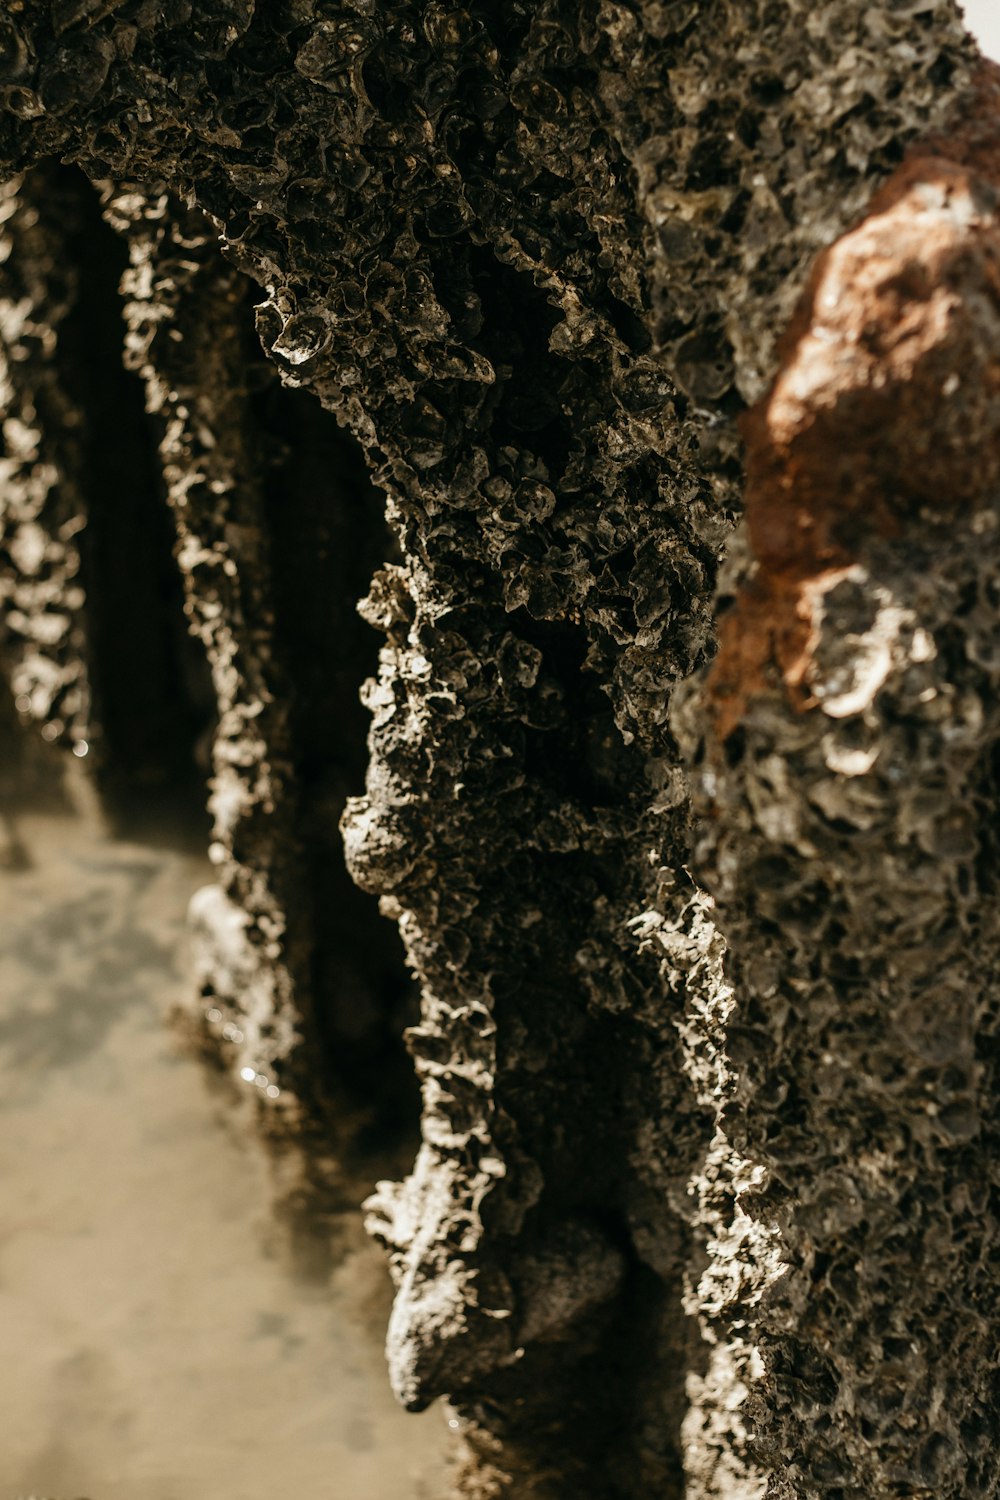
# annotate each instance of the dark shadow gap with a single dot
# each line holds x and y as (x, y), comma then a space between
(327, 536)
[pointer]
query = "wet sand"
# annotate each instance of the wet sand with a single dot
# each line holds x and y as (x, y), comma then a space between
(157, 1343)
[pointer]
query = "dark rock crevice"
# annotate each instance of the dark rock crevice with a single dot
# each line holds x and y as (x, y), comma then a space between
(327, 536)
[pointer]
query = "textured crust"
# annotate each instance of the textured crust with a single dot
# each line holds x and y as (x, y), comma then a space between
(533, 257)
(847, 737)
(885, 387)
(42, 488)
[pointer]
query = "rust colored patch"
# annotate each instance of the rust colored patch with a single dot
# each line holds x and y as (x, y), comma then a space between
(886, 404)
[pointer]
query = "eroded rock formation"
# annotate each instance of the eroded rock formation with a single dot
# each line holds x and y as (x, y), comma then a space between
(849, 767)
(535, 259)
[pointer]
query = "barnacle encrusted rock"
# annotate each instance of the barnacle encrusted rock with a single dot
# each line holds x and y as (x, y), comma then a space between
(83, 537)
(275, 971)
(42, 502)
(849, 737)
(185, 338)
(533, 257)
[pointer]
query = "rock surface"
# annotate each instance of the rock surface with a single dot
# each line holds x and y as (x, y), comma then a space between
(848, 771)
(535, 258)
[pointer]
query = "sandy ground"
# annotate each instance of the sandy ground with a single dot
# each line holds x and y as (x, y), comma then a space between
(157, 1344)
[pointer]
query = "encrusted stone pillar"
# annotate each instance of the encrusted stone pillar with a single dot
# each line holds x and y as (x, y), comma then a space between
(536, 262)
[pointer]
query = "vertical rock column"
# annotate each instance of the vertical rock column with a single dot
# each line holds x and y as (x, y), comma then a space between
(849, 730)
(89, 597)
(44, 642)
(184, 311)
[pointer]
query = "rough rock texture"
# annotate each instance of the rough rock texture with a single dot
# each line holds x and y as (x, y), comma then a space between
(277, 975)
(533, 256)
(42, 505)
(85, 539)
(184, 338)
(846, 793)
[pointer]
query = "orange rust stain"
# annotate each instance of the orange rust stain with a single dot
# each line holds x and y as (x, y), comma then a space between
(889, 378)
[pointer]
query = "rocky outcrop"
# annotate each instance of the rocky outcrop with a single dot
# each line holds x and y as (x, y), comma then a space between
(534, 260)
(848, 744)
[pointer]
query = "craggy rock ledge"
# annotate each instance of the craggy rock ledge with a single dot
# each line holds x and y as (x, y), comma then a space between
(534, 259)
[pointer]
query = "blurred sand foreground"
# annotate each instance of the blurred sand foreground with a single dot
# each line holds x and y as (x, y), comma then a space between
(158, 1342)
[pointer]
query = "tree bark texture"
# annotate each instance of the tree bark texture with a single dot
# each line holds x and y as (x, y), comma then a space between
(702, 1203)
